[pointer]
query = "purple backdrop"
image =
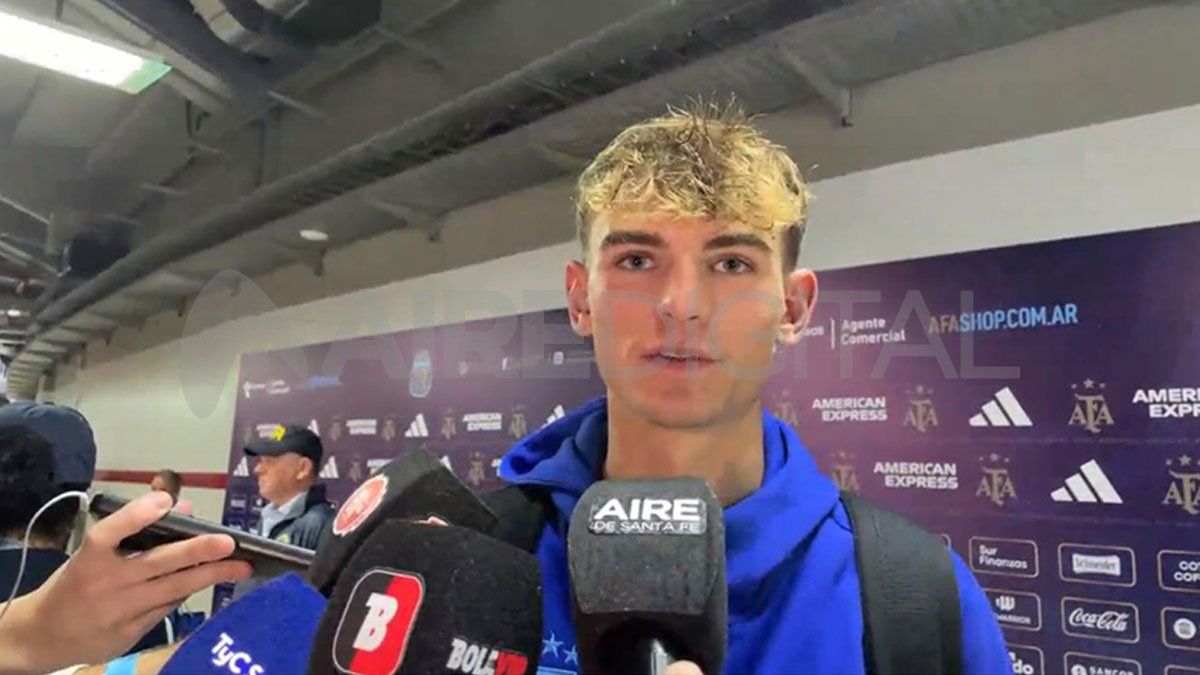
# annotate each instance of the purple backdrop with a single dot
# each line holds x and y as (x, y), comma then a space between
(1038, 405)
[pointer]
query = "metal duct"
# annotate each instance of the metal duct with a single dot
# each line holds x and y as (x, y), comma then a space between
(274, 29)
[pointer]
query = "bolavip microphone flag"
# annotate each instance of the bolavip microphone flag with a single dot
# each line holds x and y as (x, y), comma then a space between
(647, 562)
(414, 486)
(269, 630)
(419, 598)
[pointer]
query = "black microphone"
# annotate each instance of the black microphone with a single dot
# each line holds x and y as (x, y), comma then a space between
(421, 598)
(647, 561)
(414, 486)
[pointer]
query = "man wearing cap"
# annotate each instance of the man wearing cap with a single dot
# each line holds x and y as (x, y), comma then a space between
(296, 512)
(45, 450)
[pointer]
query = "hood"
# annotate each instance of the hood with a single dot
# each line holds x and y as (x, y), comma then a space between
(761, 530)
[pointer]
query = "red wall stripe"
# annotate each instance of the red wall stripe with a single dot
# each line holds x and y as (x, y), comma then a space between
(196, 479)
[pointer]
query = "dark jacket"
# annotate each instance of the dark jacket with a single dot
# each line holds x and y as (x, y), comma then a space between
(310, 528)
(39, 565)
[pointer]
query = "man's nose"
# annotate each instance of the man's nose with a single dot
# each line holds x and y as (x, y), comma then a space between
(683, 297)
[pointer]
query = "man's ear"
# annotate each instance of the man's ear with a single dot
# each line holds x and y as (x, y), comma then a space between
(800, 297)
(577, 298)
(306, 469)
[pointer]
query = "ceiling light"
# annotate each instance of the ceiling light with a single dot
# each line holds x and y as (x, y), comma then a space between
(313, 235)
(14, 313)
(73, 52)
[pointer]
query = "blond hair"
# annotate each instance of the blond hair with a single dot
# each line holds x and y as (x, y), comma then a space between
(708, 162)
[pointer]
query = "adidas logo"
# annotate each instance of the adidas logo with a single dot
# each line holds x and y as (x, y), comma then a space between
(556, 415)
(242, 470)
(1004, 410)
(446, 463)
(417, 429)
(330, 470)
(1090, 487)
(314, 427)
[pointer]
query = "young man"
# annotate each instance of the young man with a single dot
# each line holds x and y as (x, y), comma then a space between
(690, 226)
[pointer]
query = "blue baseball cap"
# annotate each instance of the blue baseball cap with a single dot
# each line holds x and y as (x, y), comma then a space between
(69, 434)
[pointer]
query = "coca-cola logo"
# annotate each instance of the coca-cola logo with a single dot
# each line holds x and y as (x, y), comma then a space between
(1113, 621)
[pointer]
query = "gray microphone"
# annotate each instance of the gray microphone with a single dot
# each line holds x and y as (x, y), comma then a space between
(647, 563)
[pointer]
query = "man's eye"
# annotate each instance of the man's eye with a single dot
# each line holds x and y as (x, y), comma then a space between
(733, 266)
(635, 262)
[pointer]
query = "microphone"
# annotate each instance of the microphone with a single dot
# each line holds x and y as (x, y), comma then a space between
(269, 630)
(413, 486)
(419, 598)
(647, 563)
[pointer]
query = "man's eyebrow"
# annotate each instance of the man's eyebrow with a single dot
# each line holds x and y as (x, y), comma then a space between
(732, 240)
(631, 237)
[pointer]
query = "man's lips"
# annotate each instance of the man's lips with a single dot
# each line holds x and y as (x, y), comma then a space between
(667, 355)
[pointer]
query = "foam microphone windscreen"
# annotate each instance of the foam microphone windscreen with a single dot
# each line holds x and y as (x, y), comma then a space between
(647, 563)
(414, 486)
(269, 630)
(419, 598)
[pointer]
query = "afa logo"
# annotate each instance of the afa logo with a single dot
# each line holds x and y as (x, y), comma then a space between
(1184, 491)
(996, 485)
(420, 379)
(449, 425)
(1091, 409)
(475, 475)
(517, 426)
(921, 414)
(785, 409)
(844, 475)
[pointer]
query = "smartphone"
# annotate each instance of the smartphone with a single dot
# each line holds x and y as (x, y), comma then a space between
(269, 557)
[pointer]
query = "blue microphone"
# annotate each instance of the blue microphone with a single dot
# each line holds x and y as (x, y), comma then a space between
(269, 630)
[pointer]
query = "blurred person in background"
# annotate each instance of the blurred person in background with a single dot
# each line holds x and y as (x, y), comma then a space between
(45, 450)
(169, 482)
(26, 483)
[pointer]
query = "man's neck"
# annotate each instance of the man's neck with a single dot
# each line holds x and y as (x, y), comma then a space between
(729, 456)
(36, 540)
(279, 504)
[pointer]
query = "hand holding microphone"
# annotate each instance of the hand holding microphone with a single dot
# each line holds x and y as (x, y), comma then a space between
(647, 563)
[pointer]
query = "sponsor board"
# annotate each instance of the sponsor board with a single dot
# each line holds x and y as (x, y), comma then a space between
(1101, 620)
(1005, 557)
(1093, 564)
(1179, 570)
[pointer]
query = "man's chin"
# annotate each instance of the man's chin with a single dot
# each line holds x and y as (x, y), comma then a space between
(678, 413)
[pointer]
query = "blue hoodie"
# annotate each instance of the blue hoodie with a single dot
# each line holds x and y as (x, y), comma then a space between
(794, 602)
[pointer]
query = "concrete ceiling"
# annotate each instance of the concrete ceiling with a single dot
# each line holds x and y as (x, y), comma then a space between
(440, 105)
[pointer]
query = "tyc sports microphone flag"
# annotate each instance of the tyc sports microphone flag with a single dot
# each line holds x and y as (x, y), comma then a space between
(647, 563)
(270, 630)
(420, 598)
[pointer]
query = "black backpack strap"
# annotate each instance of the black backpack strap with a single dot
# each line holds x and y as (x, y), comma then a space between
(521, 514)
(911, 614)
